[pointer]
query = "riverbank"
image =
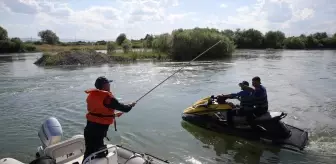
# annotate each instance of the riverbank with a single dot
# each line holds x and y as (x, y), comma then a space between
(60, 48)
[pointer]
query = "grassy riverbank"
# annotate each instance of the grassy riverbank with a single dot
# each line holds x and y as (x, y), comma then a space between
(59, 48)
(141, 55)
(92, 57)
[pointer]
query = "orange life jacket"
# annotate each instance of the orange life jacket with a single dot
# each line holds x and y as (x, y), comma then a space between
(97, 112)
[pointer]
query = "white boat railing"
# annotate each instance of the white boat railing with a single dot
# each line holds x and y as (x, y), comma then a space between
(115, 154)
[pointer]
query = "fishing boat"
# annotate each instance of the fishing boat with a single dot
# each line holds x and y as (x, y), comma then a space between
(71, 151)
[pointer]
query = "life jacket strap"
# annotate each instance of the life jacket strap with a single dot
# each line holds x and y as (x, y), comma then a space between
(100, 115)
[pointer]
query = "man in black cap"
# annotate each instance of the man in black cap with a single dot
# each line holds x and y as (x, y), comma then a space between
(101, 106)
(246, 103)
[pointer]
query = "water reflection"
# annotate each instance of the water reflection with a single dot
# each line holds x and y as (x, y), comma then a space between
(241, 150)
(6, 58)
(259, 54)
(13, 57)
(197, 67)
(19, 56)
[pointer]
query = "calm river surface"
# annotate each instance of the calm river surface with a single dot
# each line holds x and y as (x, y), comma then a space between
(301, 83)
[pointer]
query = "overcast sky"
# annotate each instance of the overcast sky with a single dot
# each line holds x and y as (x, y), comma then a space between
(105, 19)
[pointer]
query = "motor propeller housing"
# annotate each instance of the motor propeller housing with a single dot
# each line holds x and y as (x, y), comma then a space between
(51, 132)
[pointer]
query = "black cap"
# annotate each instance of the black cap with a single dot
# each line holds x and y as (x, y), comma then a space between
(256, 79)
(101, 81)
(245, 83)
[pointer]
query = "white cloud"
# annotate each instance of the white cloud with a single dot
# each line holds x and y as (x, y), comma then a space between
(138, 17)
(3, 7)
(243, 9)
(291, 16)
(175, 17)
(223, 5)
(249, 16)
(176, 3)
(22, 6)
(304, 14)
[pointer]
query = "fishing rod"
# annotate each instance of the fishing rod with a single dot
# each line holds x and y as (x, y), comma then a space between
(178, 70)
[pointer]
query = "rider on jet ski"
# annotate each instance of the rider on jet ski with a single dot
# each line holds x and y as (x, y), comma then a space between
(253, 102)
(259, 96)
(246, 103)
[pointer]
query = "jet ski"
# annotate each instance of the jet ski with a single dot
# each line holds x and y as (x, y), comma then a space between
(268, 128)
(223, 145)
(71, 151)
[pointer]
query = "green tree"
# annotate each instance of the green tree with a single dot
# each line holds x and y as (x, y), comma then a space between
(274, 39)
(29, 47)
(148, 41)
(329, 42)
(162, 43)
(294, 43)
(101, 42)
(137, 43)
(229, 33)
(48, 36)
(121, 38)
(18, 44)
(250, 38)
(320, 35)
(3, 34)
(126, 45)
(6, 46)
(312, 43)
(187, 44)
(111, 47)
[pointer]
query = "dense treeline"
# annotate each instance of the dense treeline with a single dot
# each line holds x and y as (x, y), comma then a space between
(187, 44)
(183, 44)
(242, 39)
(254, 39)
(8, 45)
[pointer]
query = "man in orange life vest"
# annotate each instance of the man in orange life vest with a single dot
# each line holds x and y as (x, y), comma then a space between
(101, 106)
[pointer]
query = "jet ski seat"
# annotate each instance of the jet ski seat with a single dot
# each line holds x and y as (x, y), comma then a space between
(271, 116)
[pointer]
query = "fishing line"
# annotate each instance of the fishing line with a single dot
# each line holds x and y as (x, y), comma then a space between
(178, 70)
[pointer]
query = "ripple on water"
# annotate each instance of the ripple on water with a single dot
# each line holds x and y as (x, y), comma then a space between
(300, 83)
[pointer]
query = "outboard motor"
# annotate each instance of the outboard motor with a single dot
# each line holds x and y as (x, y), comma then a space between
(50, 133)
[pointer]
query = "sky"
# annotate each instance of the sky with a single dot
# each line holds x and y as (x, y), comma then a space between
(106, 19)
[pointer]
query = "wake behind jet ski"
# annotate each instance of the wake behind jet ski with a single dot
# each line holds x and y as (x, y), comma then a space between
(209, 114)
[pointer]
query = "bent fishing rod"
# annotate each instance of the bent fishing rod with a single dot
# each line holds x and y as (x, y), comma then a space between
(178, 71)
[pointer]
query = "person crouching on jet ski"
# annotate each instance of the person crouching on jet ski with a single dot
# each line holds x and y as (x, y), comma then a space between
(246, 103)
(101, 106)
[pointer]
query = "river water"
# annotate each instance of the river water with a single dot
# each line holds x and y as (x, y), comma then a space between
(301, 83)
